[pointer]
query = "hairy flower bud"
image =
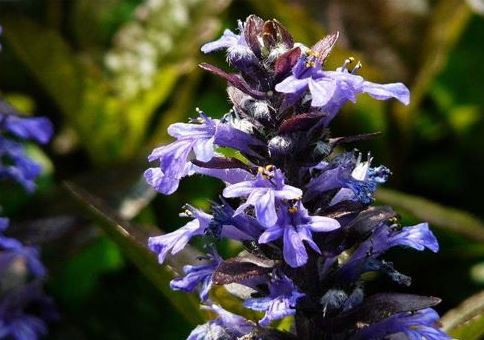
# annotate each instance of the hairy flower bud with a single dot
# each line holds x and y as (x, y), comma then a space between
(280, 146)
(258, 109)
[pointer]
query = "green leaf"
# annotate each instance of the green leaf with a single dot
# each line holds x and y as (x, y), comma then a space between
(120, 124)
(133, 243)
(467, 320)
(446, 24)
(49, 59)
(95, 22)
(140, 112)
(81, 274)
(182, 103)
(446, 218)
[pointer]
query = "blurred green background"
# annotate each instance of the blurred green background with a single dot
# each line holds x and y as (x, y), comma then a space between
(113, 74)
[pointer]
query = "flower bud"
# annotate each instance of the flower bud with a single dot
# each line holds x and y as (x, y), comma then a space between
(280, 146)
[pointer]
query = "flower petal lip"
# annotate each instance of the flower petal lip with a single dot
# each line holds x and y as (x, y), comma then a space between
(175, 241)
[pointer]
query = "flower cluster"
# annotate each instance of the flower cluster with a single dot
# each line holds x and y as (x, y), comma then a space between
(302, 210)
(24, 308)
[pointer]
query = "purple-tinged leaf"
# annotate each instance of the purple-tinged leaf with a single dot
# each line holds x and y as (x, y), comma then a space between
(366, 221)
(285, 63)
(354, 138)
(235, 80)
(252, 31)
(222, 163)
(378, 307)
(344, 208)
(235, 270)
(300, 122)
(275, 34)
(283, 35)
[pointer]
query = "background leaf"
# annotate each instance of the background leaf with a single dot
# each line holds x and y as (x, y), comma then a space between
(437, 215)
(467, 320)
(56, 68)
(133, 245)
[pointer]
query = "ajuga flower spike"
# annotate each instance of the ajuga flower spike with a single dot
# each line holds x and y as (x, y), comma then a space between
(303, 211)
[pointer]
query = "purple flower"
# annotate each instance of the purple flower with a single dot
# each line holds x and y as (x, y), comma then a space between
(307, 74)
(16, 318)
(12, 249)
(356, 180)
(39, 129)
(239, 53)
(19, 167)
(280, 303)
(348, 85)
(173, 157)
(330, 175)
(275, 220)
(175, 241)
(4, 222)
(228, 176)
(365, 257)
(235, 227)
(363, 182)
(14, 163)
(331, 89)
(423, 324)
(417, 237)
(198, 276)
(226, 326)
(199, 138)
(262, 193)
(295, 226)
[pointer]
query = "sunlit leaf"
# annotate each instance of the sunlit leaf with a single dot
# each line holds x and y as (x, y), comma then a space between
(446, 24)
(181, 106)
(467, 320)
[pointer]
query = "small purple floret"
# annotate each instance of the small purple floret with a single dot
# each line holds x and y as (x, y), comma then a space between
(174, 242)
(280, 303)
(238, 52)
(295, 226)
(12, 249)
(330, 90)
(263, 193)
(226, 326)
(417, 237)
(199, 138)
(198, 276)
